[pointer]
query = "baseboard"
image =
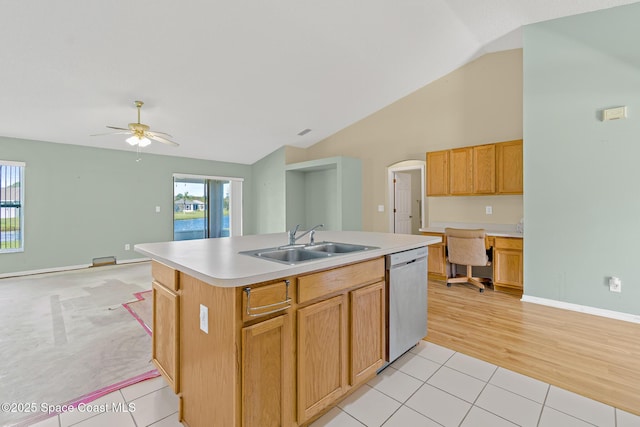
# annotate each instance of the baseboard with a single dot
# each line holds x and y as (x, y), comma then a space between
(44, 270)
(66, 268)
(633, 318)
(132, 261)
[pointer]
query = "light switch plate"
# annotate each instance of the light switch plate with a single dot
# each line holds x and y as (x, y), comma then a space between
(157, 209)
(204, 318)
(380, 208)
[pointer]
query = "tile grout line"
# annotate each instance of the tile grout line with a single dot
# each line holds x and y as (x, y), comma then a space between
(130, 413)
(473, 404)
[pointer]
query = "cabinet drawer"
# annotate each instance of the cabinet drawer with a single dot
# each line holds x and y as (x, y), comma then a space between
(165, 275)
(330, 281)
(262, 300)
(508, 243)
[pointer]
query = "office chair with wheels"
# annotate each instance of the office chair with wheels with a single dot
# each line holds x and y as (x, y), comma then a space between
(467, 247)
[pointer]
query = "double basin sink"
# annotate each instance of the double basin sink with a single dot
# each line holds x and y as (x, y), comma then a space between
(296, 254)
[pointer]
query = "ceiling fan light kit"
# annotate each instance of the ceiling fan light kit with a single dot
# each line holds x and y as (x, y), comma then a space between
(136, 140)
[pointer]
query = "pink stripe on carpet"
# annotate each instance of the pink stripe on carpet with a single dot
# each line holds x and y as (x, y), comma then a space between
(133, 313)
(90, 397)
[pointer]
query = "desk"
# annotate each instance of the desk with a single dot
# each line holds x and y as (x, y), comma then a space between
(507, 261)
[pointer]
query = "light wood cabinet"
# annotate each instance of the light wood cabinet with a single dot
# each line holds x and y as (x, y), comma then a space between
(461, 171)
(508, 274)
(165, 350)
(367, 338)
(509, 167)
(476, 170)
(508, 265)
(437, 258)
(341, 334)
(278, 353)
(267, 373)
(438, 173)
(484, 169)
(322, 355)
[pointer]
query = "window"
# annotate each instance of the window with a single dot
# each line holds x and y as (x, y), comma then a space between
(11, 206)
(205, 207)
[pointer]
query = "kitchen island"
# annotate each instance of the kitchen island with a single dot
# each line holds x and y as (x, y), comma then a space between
(245, 341)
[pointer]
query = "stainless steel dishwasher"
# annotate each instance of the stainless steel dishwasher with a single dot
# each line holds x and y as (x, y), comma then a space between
(407, 278)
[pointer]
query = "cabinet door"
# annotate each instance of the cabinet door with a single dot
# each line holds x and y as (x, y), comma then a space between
(322, 355)
(165, 336)
(367, 338)
(508, 265)
(436, 260)
(438, 173)
(266, 373)
(484, 169)
(509, 167)
(461, 171)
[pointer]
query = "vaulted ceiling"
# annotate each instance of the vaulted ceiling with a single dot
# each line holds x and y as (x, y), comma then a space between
(233, 80)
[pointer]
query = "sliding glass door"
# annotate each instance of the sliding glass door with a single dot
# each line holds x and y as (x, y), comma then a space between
(206, 207)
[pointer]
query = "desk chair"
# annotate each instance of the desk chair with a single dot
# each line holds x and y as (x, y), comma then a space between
(467, 247)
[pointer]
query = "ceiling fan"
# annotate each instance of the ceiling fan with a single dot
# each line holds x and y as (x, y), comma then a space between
(141, 135)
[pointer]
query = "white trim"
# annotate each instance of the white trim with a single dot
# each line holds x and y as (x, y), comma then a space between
(66, 268)
(132, 260)
(44, 270)
(627, 317)
(12, 163)
(217, 178)
(407, 165)
(235, 209)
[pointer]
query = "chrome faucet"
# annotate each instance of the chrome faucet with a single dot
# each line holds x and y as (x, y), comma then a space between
(293, 238)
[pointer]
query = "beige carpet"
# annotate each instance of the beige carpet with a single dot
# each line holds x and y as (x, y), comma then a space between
(66, 335)
(142, 309)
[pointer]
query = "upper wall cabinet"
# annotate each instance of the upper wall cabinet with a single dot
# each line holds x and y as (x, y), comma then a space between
(461, 171)
(509, 167)
(478, 170)
(484, 169)
(438, 173)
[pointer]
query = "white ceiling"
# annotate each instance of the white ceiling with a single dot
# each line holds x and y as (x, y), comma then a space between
(233, 80)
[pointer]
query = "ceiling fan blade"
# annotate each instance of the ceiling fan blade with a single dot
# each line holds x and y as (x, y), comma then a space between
(112, 133)
(152, 135)
(117, 128)
(155, 132)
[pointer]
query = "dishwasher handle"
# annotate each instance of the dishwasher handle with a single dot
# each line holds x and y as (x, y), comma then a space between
(402, 258)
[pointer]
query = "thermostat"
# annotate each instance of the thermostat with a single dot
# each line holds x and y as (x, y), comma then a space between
(614, 113)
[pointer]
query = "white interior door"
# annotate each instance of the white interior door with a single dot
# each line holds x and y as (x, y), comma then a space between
(402, 203)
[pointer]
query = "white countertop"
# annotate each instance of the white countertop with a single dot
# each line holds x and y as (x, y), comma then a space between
(497, 230)
(217, 261)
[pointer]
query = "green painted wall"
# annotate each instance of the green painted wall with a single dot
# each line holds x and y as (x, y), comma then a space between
(269, 200)
(320, 201)
(325, 191)
(82, 202)
(582, 204)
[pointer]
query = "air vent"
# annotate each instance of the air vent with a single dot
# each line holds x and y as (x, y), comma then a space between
(105, 260)
(304, 132)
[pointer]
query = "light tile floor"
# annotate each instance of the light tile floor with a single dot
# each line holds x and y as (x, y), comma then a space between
(430, 386)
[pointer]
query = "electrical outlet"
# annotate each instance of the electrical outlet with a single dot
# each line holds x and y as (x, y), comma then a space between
(488, 210)
(204, 318)
(127, 247)
(615, 284)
